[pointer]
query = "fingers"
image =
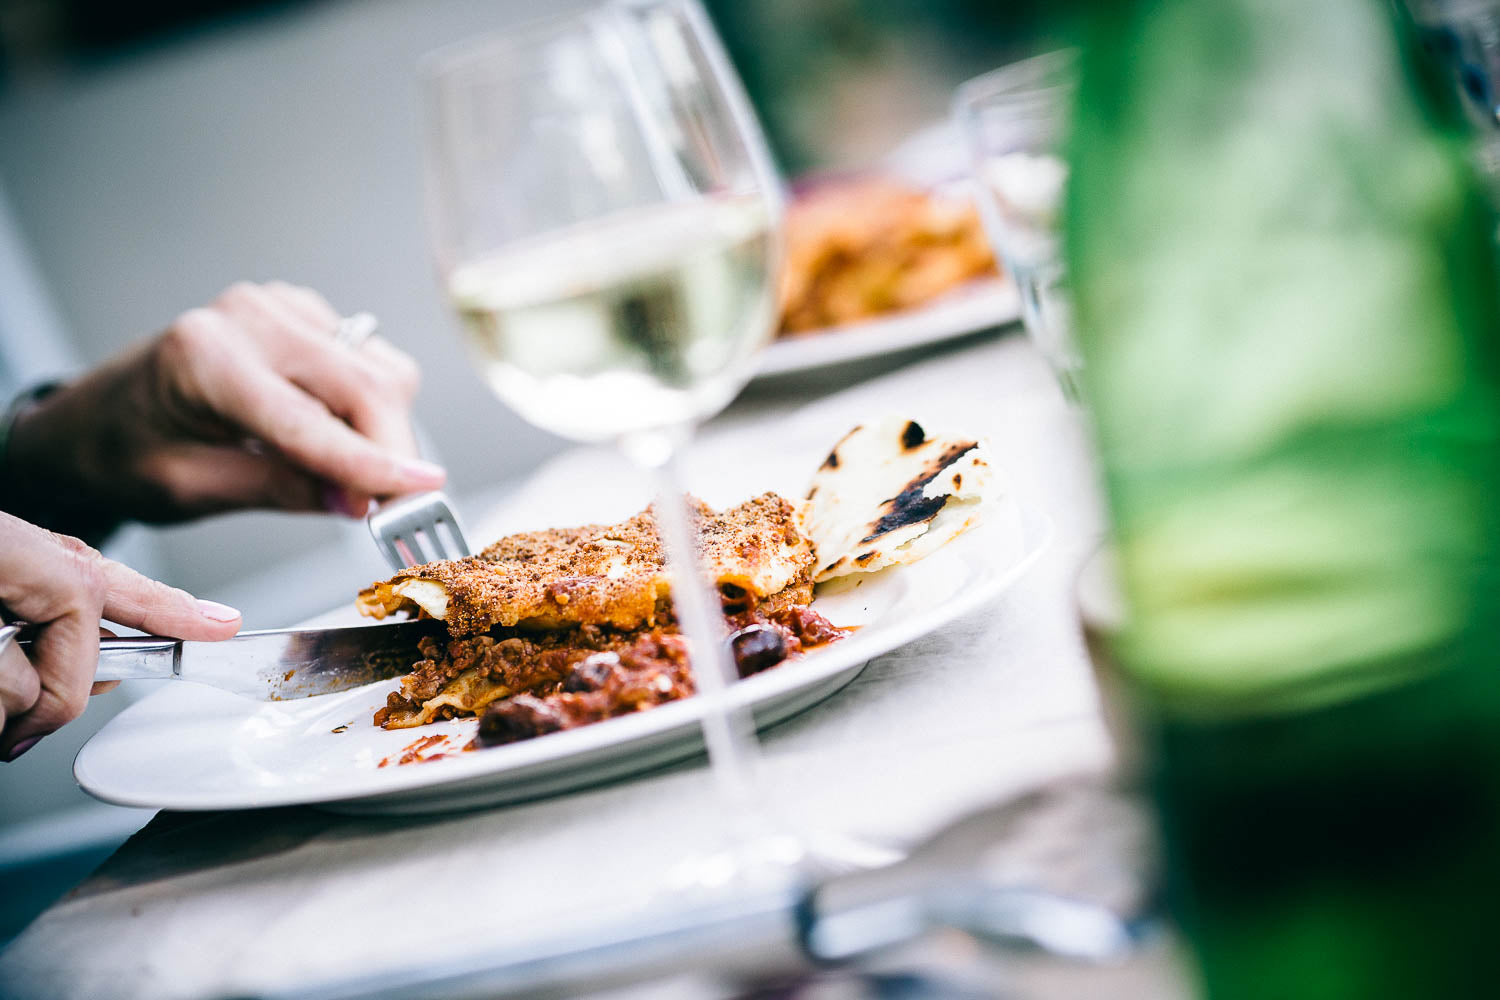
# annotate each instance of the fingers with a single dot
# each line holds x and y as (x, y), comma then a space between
(151, 606)
(19, 685)
(373, 402)
(52, 582)
(307, 433)
(368, 389)
(259, 367)
(208, 478)
(63, 657)
(20, 693)
(103, 687)
(311, 306)
(63, 587)
(370, 386)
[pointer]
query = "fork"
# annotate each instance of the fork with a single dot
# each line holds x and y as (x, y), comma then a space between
(407, 530)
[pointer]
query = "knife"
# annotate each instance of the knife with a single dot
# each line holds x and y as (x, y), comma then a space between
(271, 665)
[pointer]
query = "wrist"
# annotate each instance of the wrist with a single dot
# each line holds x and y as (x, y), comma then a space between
(16, 409)
(40, 480)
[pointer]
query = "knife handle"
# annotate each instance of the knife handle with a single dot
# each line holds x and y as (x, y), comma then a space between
(133, 657)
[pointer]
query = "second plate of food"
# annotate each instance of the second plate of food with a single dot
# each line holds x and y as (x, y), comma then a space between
(981, 305)
(875, 266)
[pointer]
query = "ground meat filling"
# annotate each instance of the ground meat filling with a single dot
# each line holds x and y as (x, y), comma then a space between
(649, 670)
(518, 662)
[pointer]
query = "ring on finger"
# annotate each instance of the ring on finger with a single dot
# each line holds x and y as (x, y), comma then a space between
(355, 330)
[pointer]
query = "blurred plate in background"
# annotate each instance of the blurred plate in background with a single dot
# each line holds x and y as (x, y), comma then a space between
(978, 306)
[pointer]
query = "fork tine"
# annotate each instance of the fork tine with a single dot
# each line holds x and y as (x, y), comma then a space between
(455, 538)
(391, 551)
(407, 531)
(413, 545)
(434, 540)
(450, 519)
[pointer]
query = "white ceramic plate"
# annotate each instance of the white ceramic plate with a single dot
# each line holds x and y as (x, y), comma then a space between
(980, 305)
(192, 747)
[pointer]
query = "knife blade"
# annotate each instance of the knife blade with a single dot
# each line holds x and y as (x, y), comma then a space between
(271, 665)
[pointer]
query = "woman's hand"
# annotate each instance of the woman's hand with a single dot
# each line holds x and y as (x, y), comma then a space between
(62, 587)
(248, 402)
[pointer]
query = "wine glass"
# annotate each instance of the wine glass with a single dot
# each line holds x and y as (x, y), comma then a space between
(607, 223)
(1014, 121)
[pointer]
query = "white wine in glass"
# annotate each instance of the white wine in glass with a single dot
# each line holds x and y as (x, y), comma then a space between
(608, 225)
(641, 322)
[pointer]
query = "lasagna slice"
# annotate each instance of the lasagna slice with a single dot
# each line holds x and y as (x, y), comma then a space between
(608, 575)
(526, 613)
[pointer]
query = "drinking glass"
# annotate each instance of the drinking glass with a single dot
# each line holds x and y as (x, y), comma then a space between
(1013, 122)
(607, 223)
(1465, 37)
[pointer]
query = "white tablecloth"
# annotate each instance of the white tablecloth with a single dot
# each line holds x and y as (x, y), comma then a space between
(234, 904)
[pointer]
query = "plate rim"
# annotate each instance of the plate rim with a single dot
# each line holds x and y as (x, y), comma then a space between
(947, 316)
(1037, 533)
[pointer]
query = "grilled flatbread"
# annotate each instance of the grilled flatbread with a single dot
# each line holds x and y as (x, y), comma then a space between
(889, 493)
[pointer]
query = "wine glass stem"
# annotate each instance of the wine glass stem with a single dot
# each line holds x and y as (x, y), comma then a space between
(728, 734)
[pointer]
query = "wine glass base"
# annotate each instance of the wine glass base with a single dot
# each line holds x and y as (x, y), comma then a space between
(780, 860)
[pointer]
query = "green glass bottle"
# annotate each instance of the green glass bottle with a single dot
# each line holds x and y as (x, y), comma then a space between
(1285, 289)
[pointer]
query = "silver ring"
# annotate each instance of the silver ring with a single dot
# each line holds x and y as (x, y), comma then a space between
(355, 330)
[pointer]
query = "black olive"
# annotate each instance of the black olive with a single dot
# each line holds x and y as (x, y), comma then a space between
(518, 718)
(757, 648)
(592, 673)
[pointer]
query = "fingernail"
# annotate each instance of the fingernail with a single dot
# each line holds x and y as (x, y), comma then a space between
(218, 612)
(337, 501)
(22, 747)
(424, 472)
